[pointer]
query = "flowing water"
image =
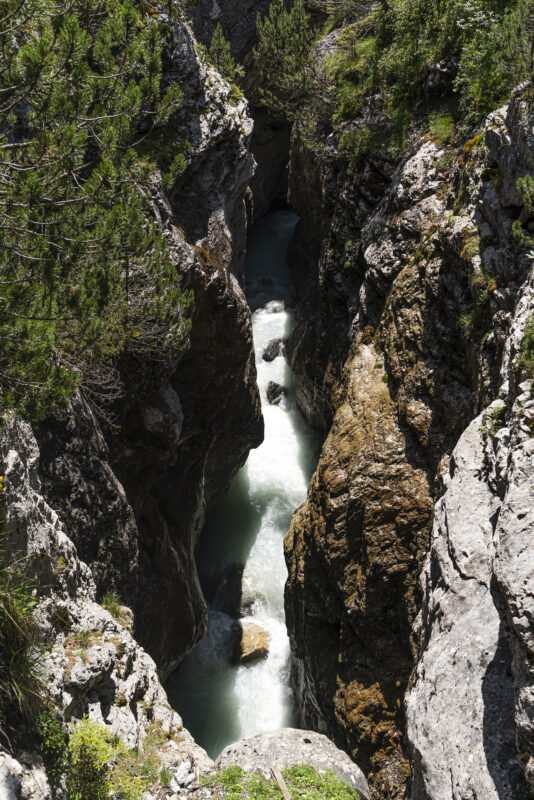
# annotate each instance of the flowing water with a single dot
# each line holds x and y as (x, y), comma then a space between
(241, 560)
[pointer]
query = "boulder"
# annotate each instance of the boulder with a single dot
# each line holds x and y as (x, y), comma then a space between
(287, 748)
(252, 643)
(274, 349)
(275, 393)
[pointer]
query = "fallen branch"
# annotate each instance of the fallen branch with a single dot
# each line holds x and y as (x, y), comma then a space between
(277, 775)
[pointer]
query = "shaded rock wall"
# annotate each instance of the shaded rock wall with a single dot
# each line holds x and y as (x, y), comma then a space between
(105, 675)
(387, 262)
(134, 500)
(237, 18)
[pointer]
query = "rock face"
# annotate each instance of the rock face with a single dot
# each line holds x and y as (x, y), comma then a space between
(273, 350)
(252, 643)
(289, 747)
(94, 667)
(275, 393)
(388, 259)
(134, 500)
(462, 698)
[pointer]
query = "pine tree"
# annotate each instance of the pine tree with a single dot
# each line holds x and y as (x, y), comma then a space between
(284, 44)
(84, 273)
(220, 55)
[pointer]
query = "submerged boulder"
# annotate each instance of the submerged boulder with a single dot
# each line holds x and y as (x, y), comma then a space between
(275, 393)
(274, 349)
(289, 747)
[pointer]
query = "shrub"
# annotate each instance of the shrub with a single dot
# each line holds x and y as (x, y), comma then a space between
(441, 127)
(85, 275)
(494, 420)
(53, 747)
(220, 55)
(90, 754)
(21, 689)
(113, 604)
(526, 357)
(302, 782)
(284, 44)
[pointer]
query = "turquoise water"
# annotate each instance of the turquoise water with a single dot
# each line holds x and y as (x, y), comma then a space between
(220, 703)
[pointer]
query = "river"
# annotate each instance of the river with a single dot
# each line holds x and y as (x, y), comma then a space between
(241, 559)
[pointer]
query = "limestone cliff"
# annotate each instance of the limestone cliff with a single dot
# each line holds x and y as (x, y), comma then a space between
(410, 280)
(133, 500)
(92, 664)
(98, 507)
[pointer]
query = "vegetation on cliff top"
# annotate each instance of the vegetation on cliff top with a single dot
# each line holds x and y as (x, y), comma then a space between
(456, 59)
(84, 272)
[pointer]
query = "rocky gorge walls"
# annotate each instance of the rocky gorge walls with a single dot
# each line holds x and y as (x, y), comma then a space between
(414, 300)
(133, 498)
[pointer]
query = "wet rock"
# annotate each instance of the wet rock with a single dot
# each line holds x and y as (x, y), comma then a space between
(288, 747)
(252, 643)
(275, 393)
(228, 597)
(274, 349)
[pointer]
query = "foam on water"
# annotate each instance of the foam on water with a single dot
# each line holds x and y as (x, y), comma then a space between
(221, 703)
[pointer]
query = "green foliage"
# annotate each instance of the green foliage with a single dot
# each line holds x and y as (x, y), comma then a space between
(90, 755)
(526, 189)
(113, 604)
(526, 357)
(21, 689)
(165, 776)
(53, 747)
(83, 638)
(477, 323)
(441, 127)
(497, 54)
(303, 782)
(494, 420)
(100, 763)
(389, 51)
(220, 55)
(84, 272)
(284, 44)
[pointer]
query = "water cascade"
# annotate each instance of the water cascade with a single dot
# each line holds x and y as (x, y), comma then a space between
(241, 560)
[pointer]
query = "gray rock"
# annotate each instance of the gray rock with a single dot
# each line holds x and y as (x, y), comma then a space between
(289, 747)
(23, 779)
(459, 710)
(275, 393)
(112, 679)
(274, 349)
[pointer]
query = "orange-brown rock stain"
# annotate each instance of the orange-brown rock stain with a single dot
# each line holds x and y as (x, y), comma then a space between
(355, 550)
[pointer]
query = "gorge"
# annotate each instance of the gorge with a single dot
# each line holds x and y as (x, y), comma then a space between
(365, 493)
(241, 560)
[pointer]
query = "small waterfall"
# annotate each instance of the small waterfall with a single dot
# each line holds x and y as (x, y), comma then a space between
(241, 560)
